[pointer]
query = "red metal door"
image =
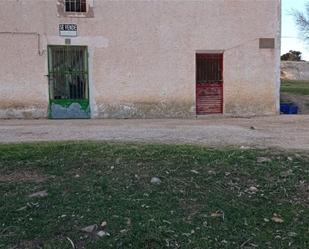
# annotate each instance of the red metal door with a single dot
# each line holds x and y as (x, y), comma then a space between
(209, 84)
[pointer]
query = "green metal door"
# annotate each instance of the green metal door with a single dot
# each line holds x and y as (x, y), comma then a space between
(68, 82)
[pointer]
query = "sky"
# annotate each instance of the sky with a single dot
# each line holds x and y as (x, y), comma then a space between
(291, 39)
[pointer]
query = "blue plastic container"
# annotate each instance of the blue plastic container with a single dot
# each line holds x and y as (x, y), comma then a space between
(288, 108)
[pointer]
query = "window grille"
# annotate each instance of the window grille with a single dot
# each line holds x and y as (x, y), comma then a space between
(209, 68)
(68, 73)
(75, 6)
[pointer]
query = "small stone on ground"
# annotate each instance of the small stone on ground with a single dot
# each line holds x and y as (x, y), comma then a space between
(155, 180)
(102, 233)
(39, 194)
(263, 159)
(90, 229)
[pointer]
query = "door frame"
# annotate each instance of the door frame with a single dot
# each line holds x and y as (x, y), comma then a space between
(83, 103)
(206, 54)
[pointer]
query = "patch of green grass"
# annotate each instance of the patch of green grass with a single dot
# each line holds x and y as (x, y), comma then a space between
(295, 87)
(203, 201)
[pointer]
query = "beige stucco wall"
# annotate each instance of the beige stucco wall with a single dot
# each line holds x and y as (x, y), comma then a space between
(142, 55)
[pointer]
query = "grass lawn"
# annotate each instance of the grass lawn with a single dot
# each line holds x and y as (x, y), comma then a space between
(208, 198)
(295, 87)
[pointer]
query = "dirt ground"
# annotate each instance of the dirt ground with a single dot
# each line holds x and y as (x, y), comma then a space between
(285, 132)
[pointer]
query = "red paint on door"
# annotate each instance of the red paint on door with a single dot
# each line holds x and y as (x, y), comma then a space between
(209, 84)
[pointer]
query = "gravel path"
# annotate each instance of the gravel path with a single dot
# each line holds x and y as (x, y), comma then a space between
(285, 132)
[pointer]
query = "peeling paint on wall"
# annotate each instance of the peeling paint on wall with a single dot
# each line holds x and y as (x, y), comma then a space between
(34, 112)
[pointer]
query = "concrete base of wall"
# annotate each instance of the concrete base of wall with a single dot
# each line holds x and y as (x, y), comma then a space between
(23, 113)
(251, 111)
(141, 111)
(145, 110)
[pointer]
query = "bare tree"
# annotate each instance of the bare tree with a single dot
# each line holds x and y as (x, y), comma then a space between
(302, 21)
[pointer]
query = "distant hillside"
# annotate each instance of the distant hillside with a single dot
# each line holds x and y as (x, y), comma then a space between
(295, 70)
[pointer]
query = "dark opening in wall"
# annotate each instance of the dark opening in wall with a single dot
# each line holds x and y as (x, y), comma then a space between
(267, 43)
(75, 6)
